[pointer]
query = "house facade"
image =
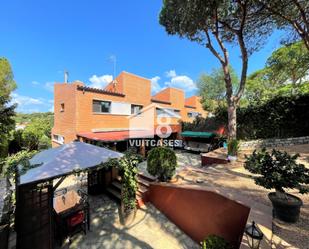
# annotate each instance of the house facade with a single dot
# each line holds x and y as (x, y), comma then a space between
(104, 115)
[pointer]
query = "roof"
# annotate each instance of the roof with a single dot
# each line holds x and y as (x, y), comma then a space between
(198, 134)
(113, 136)
(116, 136)
(97, 90)
(64, 160)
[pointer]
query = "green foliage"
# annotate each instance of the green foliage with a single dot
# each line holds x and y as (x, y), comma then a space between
(212, 88)
(215, 242)
(127, 166)
(162, 162)
(280, 117)
(233, 147)
(29, 117)
(202, 124)
(278, 170)
(7, 85)
(9, 164)
(37, 134)
(289, 64)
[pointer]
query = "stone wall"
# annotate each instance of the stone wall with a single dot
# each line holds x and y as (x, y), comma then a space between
(274, 142)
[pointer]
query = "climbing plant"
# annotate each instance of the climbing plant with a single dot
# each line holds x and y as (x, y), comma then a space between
(9, 164)
(128, 167)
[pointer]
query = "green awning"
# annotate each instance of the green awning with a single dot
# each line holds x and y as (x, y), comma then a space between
(198, 134)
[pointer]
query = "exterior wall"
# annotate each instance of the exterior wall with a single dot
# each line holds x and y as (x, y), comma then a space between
(193, 104)
(274, 142)
(78, 116)
(65, 121)
(200, 213)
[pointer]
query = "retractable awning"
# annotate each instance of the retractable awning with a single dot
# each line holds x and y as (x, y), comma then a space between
(198, 134)
(64, 160)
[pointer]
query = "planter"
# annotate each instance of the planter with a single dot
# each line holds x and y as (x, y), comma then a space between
(127, 217)
(286, 210)
(232, 158)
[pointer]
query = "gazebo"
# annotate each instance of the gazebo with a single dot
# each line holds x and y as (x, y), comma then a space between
(35, 189)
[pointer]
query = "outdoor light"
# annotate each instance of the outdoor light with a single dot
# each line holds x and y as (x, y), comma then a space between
(254, 236)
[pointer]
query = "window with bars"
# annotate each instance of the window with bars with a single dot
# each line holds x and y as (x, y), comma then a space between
(136, 109)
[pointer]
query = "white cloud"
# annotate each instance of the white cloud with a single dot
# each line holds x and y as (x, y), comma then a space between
(170, 74)
(155, 86)
(27, 104)
(180, 81)
(35, 83)
(49, 86)
(100, 81)
(25, 100)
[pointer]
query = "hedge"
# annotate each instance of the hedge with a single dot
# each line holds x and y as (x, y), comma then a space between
(281, 117)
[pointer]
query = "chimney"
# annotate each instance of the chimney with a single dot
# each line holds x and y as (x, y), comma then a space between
(66, 76)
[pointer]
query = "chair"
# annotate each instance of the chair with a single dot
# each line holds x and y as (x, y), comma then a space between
(85, 203)
(76, 222)
(60, 192)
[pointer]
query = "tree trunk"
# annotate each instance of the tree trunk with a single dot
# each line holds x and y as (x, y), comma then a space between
(232, 120)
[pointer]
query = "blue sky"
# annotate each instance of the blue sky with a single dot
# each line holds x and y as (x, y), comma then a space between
(43, 38)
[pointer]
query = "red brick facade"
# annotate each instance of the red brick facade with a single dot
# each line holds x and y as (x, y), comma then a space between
(74, 112)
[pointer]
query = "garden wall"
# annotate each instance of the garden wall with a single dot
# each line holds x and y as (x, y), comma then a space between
(274, 142)
(200, 213)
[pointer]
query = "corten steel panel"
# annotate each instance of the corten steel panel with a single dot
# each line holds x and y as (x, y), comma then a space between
(200, 213)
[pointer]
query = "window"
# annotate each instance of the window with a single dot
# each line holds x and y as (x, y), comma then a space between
(136, 109)
(167, 112)
(101, 106)
(58, 139)
(193, 114)
(62, 107)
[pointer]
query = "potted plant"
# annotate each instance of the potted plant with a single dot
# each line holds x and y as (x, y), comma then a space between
(215, 242)
(232, 149)
(279, 170)
(162, 162)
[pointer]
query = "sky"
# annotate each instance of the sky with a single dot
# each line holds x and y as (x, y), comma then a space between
(42, 39)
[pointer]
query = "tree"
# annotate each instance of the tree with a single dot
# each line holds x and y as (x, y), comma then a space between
(285, 73)
(212, 88)
(37, 134)
(289, 64)
(290, 15)
(7, 85)
(213, 24)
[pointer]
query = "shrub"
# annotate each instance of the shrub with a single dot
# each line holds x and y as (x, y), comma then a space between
(233, 147)
(278, 170)
(162, 162)
(215, 242)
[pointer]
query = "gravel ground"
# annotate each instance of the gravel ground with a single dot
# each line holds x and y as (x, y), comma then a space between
(236, 178)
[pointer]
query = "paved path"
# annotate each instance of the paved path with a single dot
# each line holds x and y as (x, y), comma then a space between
(150, 229)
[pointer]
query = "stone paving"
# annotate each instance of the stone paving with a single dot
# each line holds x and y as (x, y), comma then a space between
(150, 229)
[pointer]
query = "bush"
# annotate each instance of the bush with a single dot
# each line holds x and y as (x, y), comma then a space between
(278, 170)
(162, 162)
(215, 242)
(233, 147)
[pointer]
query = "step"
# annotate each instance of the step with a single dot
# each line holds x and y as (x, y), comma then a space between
(114, 192)
(147, 177)
(117, 184)
(143, 182)
(142, 190)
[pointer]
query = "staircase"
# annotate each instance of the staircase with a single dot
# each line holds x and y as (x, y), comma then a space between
(143, 186)
(114, 189)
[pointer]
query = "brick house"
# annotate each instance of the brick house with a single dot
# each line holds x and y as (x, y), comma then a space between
(102, 116)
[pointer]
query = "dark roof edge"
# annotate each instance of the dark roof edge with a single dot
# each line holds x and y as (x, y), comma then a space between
(96, 90)
(161, 101)
(190, 106)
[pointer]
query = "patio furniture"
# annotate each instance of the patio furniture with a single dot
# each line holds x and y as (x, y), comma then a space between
(71, 214)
